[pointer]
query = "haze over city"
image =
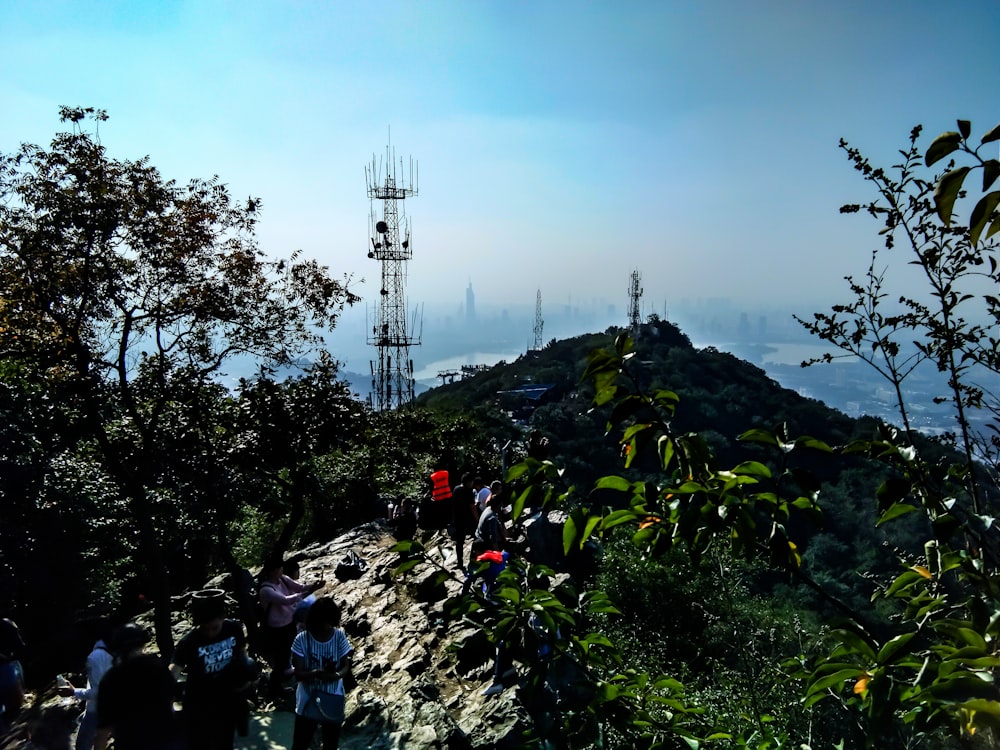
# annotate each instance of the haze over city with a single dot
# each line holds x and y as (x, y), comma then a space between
(560, 144)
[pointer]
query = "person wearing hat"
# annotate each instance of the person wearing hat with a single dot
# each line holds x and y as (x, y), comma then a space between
(280, 596)
(213, 656)
(135, 697)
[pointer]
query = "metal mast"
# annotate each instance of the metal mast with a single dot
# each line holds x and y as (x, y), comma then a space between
(634, 293)
(538, 321)
(389, 185)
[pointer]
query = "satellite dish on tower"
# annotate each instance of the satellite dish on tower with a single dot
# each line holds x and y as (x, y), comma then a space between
(381, 227)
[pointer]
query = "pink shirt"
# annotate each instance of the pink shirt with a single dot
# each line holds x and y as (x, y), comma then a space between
(280, 599)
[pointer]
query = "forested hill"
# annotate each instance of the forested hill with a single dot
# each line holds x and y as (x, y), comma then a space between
(721, 396)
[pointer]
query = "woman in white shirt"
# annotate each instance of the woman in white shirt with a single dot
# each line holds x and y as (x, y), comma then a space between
(321, 658)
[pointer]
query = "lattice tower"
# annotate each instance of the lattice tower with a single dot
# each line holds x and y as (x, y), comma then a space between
(392, 373)
(538, 321)
(634, 294)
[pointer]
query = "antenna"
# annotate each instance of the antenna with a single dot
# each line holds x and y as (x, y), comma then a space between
(539, 323)
(392, 246)
(634, 293)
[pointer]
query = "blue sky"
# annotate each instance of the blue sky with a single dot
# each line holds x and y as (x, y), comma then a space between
(561, 144)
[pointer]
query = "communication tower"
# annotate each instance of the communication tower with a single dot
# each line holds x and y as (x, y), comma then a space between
(634, 293)
(389, 184)
(538, 321)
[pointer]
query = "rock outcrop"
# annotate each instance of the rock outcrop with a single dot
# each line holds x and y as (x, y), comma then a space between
(414, 691)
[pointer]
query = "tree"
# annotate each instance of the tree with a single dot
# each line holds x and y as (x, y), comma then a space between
(113, 280)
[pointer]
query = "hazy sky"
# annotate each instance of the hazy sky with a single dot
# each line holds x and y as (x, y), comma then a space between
(560, 144)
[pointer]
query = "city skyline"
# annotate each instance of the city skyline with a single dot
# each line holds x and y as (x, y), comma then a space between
(559, 145)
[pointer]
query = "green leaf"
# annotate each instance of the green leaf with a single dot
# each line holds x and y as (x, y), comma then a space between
(994, 228)
(890, 649)
(758, 436)
(407, 566)
(752, 468)
(981, 214)
(617, 518)
(965, 128)
(665, 448)
(569, 534)
(941, 146)
(895, 511)
(891, 491)
(837, 678)
(947, 191)
(992, 135)
(991, 170)
(619, 484)
(813, 444)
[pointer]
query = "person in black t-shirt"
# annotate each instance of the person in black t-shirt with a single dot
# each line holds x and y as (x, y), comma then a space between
(464, 516)
(135, 697)
(213, 655)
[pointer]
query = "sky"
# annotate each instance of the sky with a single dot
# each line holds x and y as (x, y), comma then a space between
(561, 144)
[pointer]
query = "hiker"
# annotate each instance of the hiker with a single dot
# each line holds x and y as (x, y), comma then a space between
(482, 491)
(11, 672)
(404, 523)
(435, 514)
(464, 517)
(135, 697)
(490, 531)
(280, 595)
(213, 655)
(99, 661)
(321, 657)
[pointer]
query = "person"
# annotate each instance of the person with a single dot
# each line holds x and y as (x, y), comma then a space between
(482, 491)
(436, 515)
(11, 672)
(404, 525)
(321, 658)
(135, 697)
(464, 517)
(213, 655)
(280, 596)
(490, 532)
(99, 661)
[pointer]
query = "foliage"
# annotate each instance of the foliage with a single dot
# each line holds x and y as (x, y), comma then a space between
(113, 281)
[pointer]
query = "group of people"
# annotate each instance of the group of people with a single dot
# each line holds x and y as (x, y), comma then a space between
(130, 695)
(470, 509)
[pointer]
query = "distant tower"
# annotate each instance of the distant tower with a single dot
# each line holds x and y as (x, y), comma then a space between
(634, 293)
(538, 321)
(392, 375)
(470, 303)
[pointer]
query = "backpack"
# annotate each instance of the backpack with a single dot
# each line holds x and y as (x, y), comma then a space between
(351, 567)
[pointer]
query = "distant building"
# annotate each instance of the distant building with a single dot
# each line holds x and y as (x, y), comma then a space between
(470, 304)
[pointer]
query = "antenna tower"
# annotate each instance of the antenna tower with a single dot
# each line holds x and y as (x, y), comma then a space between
(538, 321)
(634, 293)
(389, 184)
